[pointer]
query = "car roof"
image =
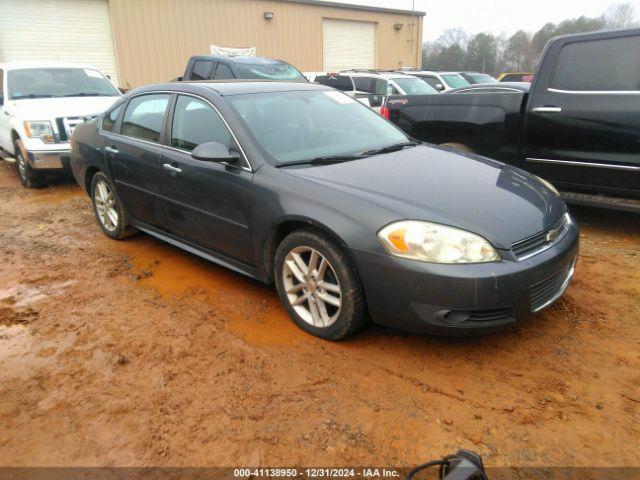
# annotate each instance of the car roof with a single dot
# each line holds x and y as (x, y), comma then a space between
(242, 59)
(44, 64)
(233, 87)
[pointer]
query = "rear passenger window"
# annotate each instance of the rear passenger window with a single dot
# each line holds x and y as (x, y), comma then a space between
(373, 85)
(109, 120)
(611, 64)
(196, 122)
(339, 82)
(201, 70)
(223, 72)
(143, 117)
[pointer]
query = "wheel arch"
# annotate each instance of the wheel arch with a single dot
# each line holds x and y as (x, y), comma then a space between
(88, 177)
(288, 225)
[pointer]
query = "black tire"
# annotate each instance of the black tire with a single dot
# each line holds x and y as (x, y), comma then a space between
(28, 177)
(121, 229)
(352, 313)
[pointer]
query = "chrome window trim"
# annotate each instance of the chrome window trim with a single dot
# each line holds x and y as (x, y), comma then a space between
(631, 168)
(157, 144)
(497, 90)
(595, 92)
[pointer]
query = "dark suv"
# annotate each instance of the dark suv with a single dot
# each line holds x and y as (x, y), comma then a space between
(209, 67)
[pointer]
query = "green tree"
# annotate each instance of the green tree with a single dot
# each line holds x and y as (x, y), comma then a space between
(481, 53)
(517, 56)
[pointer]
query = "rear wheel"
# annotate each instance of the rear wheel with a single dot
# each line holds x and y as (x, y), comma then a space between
(107, 208)
(28, 177)
(318, 285)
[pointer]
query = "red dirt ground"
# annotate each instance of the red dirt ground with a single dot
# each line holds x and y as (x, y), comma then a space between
(137, 353)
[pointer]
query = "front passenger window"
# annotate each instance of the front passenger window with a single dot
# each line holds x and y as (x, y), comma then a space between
(196, 122)
(143, 117)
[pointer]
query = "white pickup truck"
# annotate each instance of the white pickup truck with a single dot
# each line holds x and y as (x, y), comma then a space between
(40, 105)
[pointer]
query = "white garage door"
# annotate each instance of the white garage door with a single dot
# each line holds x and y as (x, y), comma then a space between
(58, 30)
(348, 44)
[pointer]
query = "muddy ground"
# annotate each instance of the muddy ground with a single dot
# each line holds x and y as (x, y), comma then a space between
(137, 353)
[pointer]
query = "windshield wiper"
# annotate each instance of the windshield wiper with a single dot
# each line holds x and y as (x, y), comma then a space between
(327, 160)
(390, 148)
(88, 94)
(33, 95)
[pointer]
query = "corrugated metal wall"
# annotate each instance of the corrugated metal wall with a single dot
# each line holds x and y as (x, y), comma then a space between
(155, 38)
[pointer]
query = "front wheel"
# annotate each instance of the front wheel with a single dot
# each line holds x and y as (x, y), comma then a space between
(28, 177)
(107, 208)
(319, 285)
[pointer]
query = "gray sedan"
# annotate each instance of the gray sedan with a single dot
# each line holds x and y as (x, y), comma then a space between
(302, 186)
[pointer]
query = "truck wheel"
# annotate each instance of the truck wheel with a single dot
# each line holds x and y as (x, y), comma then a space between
(28, 177)
(108, 210)
(319, 285)
(457, 146)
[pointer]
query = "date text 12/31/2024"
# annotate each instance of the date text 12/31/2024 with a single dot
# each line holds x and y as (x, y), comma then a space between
(369, 473)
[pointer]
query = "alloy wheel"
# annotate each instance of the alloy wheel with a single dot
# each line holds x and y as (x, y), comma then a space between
(106, 206)
(22, 167)
(312, 287)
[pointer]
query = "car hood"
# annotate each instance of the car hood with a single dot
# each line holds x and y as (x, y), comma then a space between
(50, 108)
(502, 203)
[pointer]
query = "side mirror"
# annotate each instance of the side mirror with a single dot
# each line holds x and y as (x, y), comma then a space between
(214, 152)
(440, 87)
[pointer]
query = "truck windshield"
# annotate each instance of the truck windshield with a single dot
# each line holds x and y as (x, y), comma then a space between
(454, 80)
(415, 86)
(303, 125)
(268, 71)
(58, 82)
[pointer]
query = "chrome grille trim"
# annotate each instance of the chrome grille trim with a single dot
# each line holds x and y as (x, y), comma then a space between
(538, 243)
(66, 125)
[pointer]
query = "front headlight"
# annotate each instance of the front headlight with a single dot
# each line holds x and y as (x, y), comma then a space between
(435, 243)
(40, 129)
(548, 185)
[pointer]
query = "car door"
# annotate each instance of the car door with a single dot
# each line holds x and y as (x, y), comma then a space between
(5, 130)
(582, 126)
(134, 154)
(206, 203)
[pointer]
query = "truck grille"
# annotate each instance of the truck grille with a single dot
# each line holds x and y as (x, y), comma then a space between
(66, 125)
(535, 244)
(547, 291)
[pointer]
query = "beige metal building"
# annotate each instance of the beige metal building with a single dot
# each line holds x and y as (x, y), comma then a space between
(143, 41)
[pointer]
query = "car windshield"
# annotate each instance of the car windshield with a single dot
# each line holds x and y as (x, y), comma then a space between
(454, 80)
(58, 82)
(481, 78)
(303, 125)
(415, 86)
(268, 71)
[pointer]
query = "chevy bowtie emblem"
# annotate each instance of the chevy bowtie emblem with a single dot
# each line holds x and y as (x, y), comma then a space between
(552, 235)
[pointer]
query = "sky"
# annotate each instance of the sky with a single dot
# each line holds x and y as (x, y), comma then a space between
(494, 16)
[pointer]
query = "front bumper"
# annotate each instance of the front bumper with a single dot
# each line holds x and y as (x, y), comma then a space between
(465, 299)
(49, 159)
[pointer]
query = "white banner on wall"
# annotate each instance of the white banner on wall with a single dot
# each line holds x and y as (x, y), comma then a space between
(233, 52)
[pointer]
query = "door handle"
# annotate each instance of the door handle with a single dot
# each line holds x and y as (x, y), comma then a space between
(110, 150)
(547, 110)
(171, 168)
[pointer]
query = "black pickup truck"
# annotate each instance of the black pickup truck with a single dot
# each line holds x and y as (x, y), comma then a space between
(577, 126)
